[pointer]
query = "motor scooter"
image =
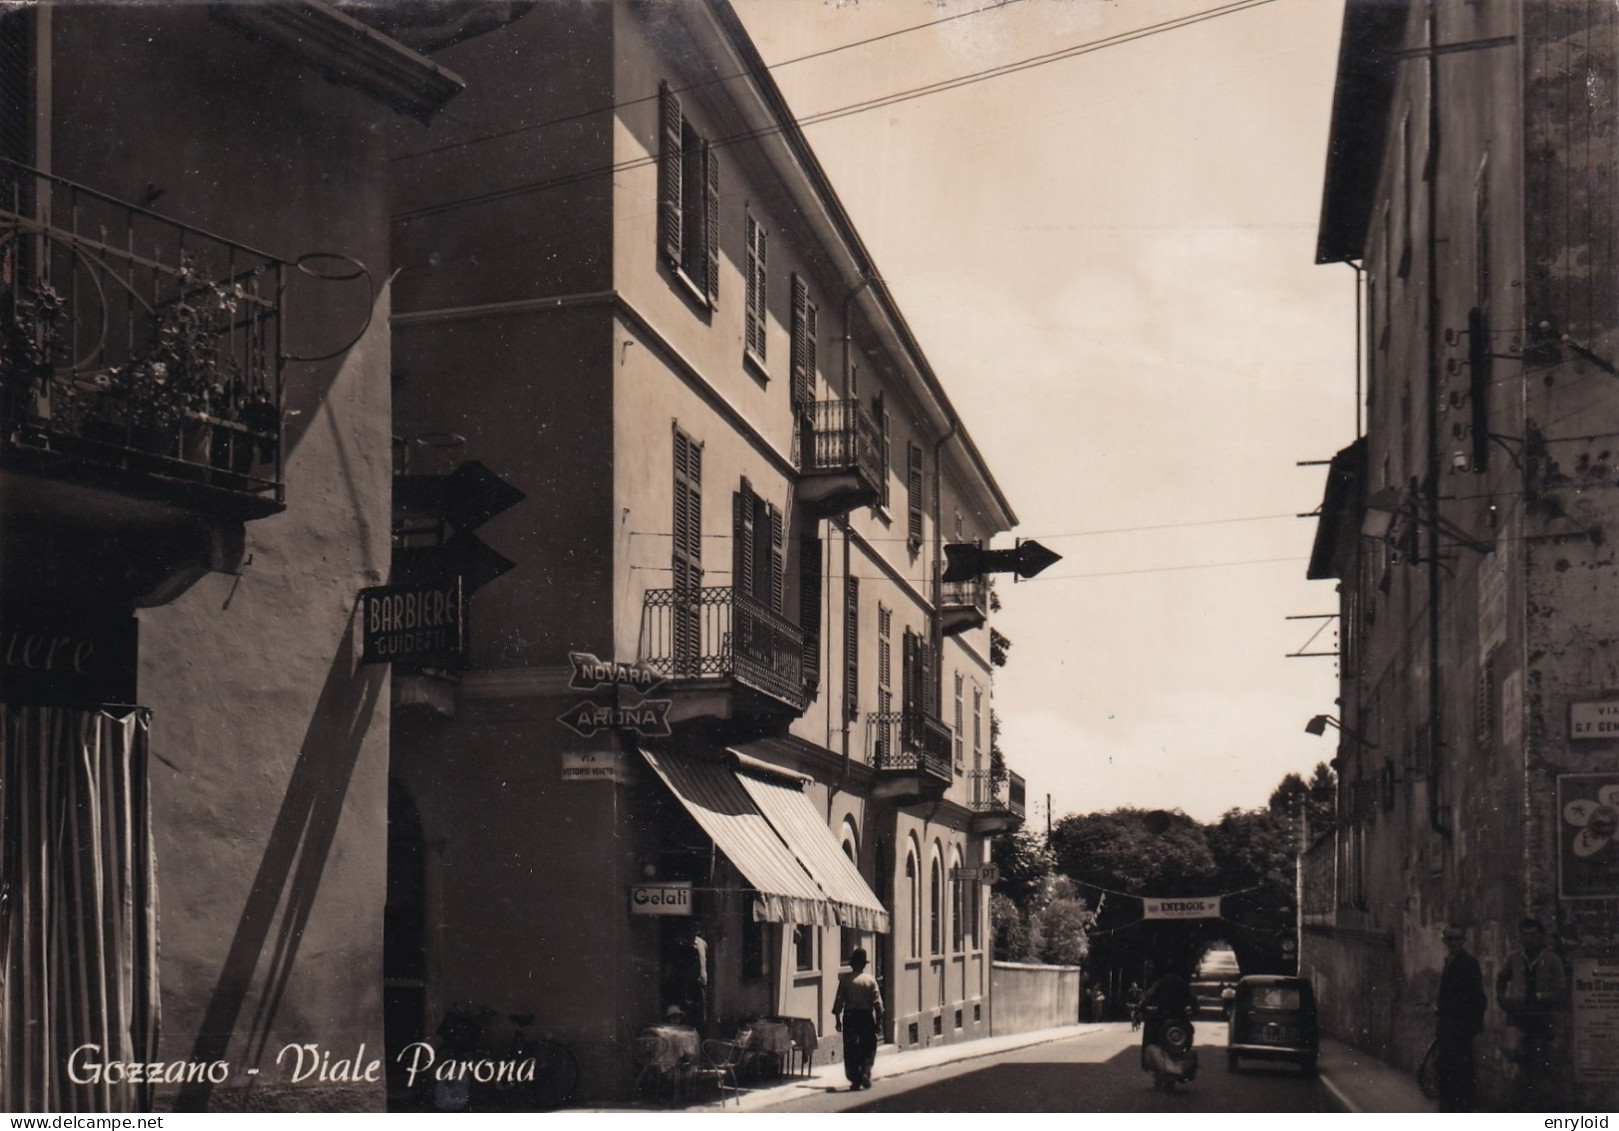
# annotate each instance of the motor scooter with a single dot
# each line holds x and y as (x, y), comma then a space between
(1166, 1049)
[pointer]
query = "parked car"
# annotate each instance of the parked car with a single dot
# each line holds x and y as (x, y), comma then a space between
(1273, 1018)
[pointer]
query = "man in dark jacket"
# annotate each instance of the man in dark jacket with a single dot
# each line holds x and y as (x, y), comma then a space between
(1460, 1009)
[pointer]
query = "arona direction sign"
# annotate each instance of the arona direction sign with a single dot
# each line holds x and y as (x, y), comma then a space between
(649, 718)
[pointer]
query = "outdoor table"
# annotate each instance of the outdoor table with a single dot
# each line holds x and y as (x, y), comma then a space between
(770, 1042)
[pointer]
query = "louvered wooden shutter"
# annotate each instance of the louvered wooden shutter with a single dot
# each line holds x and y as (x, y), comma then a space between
(803, 344)
(809, 605)
(778, 562)
(913, 486)
(755, 317)
(851, 646)
(687, 558)
(742, 535)
(711, 222)
(671, 167)
(887, 451)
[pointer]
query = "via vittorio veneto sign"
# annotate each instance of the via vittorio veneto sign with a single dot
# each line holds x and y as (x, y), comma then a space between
(1189, 907)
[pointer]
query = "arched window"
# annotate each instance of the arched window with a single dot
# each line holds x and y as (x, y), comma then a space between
(913, 901)
(936, 911)
(959, 889)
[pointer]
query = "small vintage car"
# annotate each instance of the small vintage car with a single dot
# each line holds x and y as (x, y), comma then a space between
(1273, 1018)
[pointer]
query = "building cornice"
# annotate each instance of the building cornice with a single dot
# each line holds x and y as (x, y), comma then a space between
(347, 51)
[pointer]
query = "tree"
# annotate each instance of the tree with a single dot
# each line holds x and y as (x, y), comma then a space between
(1015, 940)
(1025, 863)
(1064, 924)
(1254, 851)
(1315, 801)
(1127, 853)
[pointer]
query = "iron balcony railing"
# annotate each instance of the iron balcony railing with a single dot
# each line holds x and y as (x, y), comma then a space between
(990, 794)
(970, 594)
(714, 632)
(840, 436)
(131, 342)
(912, 741)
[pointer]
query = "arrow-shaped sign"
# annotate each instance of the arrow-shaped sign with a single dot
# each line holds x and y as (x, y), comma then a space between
(466, 498)
(590, 673)
(967, 560)
(649, 718)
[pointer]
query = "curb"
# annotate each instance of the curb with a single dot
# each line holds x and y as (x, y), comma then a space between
(1340, 1095)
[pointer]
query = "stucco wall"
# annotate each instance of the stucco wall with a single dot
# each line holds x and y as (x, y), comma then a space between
(1028, 998)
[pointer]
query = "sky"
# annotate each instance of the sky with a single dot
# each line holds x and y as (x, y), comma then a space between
(1108, 259)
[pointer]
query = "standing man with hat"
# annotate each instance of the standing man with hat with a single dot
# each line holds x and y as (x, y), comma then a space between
(858, 1009)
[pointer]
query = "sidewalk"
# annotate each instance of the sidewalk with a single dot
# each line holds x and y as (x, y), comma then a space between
(1362, 1083)
(826, 1078)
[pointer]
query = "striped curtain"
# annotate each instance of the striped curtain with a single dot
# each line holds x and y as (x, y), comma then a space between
(78, 906)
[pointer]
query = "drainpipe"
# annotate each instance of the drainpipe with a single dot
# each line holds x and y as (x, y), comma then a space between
(1436, 733)
(843, 526)
(936, 629)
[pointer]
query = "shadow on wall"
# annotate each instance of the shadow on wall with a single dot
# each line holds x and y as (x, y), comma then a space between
(293, 864)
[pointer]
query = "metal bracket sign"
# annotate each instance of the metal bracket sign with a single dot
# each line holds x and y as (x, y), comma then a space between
(420, 623)
(649, 718)
(590, 673)
(1191, 907)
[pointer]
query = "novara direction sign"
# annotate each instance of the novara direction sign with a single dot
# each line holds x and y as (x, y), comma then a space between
(649, 718)
(590, 673)
(1190, 907)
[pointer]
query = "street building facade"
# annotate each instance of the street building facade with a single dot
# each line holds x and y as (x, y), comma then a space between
(195, 483)
(1469, 527)
(722, 722)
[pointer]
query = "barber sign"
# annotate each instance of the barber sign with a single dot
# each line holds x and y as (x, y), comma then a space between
(420, 623)
(1191, 907)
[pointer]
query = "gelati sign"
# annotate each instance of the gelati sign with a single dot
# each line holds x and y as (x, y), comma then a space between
(661, 899)
(418, 623)
(68, 660)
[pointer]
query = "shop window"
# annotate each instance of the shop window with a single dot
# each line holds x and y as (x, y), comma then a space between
(805, 941)
(755, 946)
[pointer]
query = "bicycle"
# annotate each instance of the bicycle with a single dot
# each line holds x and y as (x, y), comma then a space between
(1428, 1072)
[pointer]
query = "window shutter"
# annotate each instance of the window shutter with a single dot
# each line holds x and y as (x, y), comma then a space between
(670, 169)
(688, 516)
(809, 604)
(851, 647)
(754, 318)
(913, 486)
(711, 225)
(881, 412)
(803, 344)
(778, 563)
(910, 676)
(742, 540)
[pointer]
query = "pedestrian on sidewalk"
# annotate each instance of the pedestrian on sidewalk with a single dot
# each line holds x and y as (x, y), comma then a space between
(858, 1012)
(1132, 1002)
(1460, 1018)
(1532, 989)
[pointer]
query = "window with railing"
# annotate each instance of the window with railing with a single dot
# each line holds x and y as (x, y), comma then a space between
(715, 632)
(132, 341)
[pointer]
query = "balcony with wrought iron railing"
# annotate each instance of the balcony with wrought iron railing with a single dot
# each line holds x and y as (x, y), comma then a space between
(963, 605)
(911, 754)
(716, 640)
(840, 458)
(997, 803)
(138, 355)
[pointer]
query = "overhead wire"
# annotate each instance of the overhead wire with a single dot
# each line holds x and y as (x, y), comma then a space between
(881, 102)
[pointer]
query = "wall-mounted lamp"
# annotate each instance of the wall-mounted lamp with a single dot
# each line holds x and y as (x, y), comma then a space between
(1318, 726)
(1390, 511)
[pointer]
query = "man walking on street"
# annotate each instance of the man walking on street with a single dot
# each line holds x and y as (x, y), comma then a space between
(1532, 988)
(1460, 1009)
(858, 1008)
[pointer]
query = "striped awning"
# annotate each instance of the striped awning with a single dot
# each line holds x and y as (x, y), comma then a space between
(812, 843)
(716, 800)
